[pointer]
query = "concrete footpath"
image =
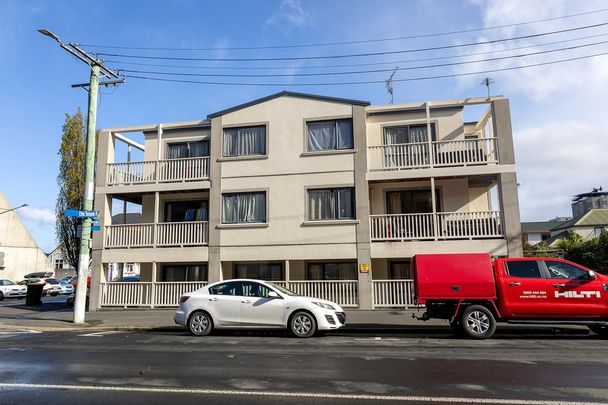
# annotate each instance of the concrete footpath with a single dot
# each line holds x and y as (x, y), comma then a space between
(58, 317)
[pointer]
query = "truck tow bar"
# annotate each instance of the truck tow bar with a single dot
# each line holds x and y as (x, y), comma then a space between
(425, 316)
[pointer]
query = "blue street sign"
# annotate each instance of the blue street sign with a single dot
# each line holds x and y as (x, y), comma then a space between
(95, 221)
(82, 213)
(96, 228)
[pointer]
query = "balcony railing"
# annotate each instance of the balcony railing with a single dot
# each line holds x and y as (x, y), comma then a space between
(146, 294)
(342, 292)
(444, 154)
(161, 234)
(158, 171)
(393, 293)
(442, 225)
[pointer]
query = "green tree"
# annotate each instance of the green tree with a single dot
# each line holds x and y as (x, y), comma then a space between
(71, 185)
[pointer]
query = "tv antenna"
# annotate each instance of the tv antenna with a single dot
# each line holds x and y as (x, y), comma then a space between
(487, 82)
(389, 83)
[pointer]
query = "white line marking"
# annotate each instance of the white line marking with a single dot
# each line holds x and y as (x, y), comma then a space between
(202, 391)
(18, 331)
(103, 333)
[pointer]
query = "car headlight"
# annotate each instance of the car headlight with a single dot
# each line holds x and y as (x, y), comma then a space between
(324, 305)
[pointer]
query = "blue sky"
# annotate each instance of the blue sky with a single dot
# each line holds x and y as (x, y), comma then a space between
(557, 111)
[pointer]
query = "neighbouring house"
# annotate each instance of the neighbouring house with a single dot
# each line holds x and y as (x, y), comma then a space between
(327, 196)
(60, 263)
(540, 231)
(19, 252)
(589, 225)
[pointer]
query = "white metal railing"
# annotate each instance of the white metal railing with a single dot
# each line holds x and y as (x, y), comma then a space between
(146, 294)
(442, 225)
(161, 234)
(182, 233)
(342, 292)
(393, 293)
(130, 235)
(444, 153)
(168, 170)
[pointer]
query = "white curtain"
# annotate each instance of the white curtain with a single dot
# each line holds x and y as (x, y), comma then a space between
(244, 207)
(244, 141)
(321, 204)
(418, 134)
(330, 135)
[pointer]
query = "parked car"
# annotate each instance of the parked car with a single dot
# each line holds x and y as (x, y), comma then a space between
(74, 282)
(51, 287)
(39, 275)
(67, 279)
(66, 288)
(244, 303)
(9, 289)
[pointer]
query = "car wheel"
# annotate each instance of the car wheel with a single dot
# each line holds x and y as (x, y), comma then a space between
(303, 325)
(601, 330)
(200, 324)
(478, 322)
(1, 296)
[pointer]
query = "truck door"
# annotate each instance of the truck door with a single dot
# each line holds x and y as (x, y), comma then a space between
(574, 294)
(524, 290)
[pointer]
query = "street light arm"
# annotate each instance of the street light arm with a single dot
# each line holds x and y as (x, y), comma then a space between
(13, 209)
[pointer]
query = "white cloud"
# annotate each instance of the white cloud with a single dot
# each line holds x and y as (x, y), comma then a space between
(40, 215)
(290, 14)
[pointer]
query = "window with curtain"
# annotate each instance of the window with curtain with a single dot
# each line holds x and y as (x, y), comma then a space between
(331, 203)
(400, 270)
(330, 135)
(245, 141)
(182, 150)
(244, 207)
(188, 272)
(182, 211)
(259, 271)
(411, 202)
(332, 271)
(407, 134)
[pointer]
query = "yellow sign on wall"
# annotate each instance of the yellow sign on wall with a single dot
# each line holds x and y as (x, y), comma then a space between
(364, 268)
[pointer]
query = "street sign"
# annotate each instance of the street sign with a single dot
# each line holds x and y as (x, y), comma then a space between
(82, 213)
(96, 228)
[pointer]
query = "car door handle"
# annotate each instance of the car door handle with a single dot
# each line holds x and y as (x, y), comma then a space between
(514, 284)
(559, 285)
(212, 299)
(246, 302)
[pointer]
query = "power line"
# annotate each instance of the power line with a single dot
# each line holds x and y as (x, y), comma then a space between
(356, 55)
(120, 62)
(356, 72)
(370, 81)
(345, 42)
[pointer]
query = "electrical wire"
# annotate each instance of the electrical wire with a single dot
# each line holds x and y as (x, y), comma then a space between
(357, 55)
(357, 72)
(120, 62)
(370, 81)
(315, 45)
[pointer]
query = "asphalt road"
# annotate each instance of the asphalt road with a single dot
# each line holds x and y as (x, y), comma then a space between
(272, 368)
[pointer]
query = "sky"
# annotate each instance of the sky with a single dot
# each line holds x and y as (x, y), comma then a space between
(557, 110)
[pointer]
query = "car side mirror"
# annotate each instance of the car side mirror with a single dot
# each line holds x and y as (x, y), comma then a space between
(591, 275)
(273, 294)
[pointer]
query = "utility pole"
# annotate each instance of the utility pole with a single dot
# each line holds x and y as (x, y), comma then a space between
(487, 82)
(97, 67)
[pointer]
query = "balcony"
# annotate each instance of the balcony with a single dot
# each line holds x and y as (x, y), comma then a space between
(164, 234)
(158, 171)
(407, 156)
(438, 226)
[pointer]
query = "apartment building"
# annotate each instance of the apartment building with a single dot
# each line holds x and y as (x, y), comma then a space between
(330, 197)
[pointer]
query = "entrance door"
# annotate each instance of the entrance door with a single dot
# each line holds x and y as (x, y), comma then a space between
(257, 309)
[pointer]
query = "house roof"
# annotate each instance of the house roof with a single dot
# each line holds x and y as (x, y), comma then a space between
(598, 216)
(288, 94)
(539, 226)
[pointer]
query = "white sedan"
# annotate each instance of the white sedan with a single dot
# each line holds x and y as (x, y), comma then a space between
(9, 289)
(247, 303)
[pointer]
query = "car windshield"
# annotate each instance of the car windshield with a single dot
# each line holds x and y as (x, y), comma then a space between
(65, 284)
(283, 290)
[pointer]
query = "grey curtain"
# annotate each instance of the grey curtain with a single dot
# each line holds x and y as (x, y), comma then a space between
(330, 135)
(177, 150)
(244, 207)
(199, 149)
(332, 271)
(244, 141)
(345, 203)
(399, 135)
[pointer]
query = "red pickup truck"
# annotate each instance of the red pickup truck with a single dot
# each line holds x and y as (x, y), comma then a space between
(473, 292)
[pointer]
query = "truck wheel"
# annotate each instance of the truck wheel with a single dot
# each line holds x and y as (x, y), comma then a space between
(478, 322)
(601, 330)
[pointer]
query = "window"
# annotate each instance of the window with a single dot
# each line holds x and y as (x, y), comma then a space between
(400, 271)
(411, 201)
(58, 264)
(565, 270)
(255, 290)
(598, 230)
(241, 208)
(332, 271)
(260, 271)
(187, 149)
(330, 135)
(524, 269)
(246, 141)
(229, 288)
(331, 203)
(191, 272)
(407, 134)
(183, 211)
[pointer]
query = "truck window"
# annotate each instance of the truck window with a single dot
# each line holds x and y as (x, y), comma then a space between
(565, 270)
(523, 268)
